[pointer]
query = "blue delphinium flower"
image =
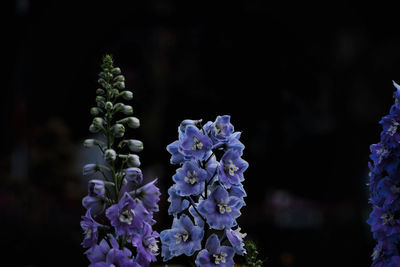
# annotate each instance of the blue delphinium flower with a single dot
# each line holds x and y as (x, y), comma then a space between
(208, 188)
(220, 209)
(119, 200)
(183, 238)
(215, 255)
(190, 179)
(384, 188)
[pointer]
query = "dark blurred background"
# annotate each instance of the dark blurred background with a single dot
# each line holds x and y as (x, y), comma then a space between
(306, 85)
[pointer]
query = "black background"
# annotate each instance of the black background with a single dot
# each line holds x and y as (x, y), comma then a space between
(306, 85)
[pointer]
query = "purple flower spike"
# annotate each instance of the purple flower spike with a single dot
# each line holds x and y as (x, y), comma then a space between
(232, 168)
(220, 209)
(127, 216)
(190, 179)
(215, 255)
(194, 143)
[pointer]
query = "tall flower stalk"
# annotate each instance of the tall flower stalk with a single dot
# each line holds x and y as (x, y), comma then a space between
(207, 194)
(118, 221)
(384, 188)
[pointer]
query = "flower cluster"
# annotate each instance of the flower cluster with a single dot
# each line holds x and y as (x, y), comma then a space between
(207, 193)
(119, 217)
(384, 188)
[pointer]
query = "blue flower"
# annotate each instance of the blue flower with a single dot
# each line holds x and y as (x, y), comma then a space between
(231, 168)
(384, 223)
(183, 238)
(146, 244)
(89, 227)
(385, 254)
(128, 215)
(134, 175)
(215, 255)
(96, 205)
(220, 209)
(190, 179)
(195, 144)
(178, 203)
(235, 237)
(149, 194)
(221, 129)
(176, 156)
(96, 188)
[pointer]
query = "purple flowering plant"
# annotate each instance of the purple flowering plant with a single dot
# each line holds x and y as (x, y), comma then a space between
(119, 208)
(207, 194)
(384, 186)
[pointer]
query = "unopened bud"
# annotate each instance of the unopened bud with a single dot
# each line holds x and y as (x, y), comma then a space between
(135, 145)
(119, 78)
(93, 128)
(119, 130)
(127, 110)
(108, 106)
(116, 71)
(127, 95)
(134, 174)
(120, 85)
(100, 91)
(110, 155)
(96, 188)
(133, 122)
(98, 122)
(90, 169)
(95, 111)
(88, 143)
(133, 160)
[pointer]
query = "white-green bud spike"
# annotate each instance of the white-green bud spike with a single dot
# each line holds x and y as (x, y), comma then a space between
(119, 78)
(116, 71)
(127, 95)
(127, 110)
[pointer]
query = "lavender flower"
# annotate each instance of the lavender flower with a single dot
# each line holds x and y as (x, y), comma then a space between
(215, 255)
(183, 238)
(220, 209)
(178, 204)
(194, 143)
(118, 200)
(232, 168)
(190, 179)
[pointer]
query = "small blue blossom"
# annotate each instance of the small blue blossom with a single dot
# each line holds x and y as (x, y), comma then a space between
(190, 179)
(232, 168)
(128, 215)
(89, 227)
(96, 188)
(134, 175)
(235, 237)
(96, 205)
(177, 157)
(194, 143)
(215, 255)
(146, 244)
(178, 203)
(183, 238)
(221, 129)
(149, 194)
(220, 209)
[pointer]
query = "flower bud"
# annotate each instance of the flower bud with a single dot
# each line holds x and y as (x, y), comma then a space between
(127, 95)
(93, 128)
(135, 145)
(90, 169)
(98, 122)
(120, 85)
(127, 110)
(108, 106)
(100, 91)
(100, 104)
(110, 155)
(95, 111)
(118, 107)
(134, 174)
(116, 71)
(101, 81)
(133, 160)
(96, 188)
(133, 122)
(119, 78)
(88, 143)
(119, 130)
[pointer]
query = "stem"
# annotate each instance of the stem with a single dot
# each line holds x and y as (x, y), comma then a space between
(195, 208)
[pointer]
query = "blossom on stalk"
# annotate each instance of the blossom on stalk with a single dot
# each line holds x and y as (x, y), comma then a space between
(215, 255)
